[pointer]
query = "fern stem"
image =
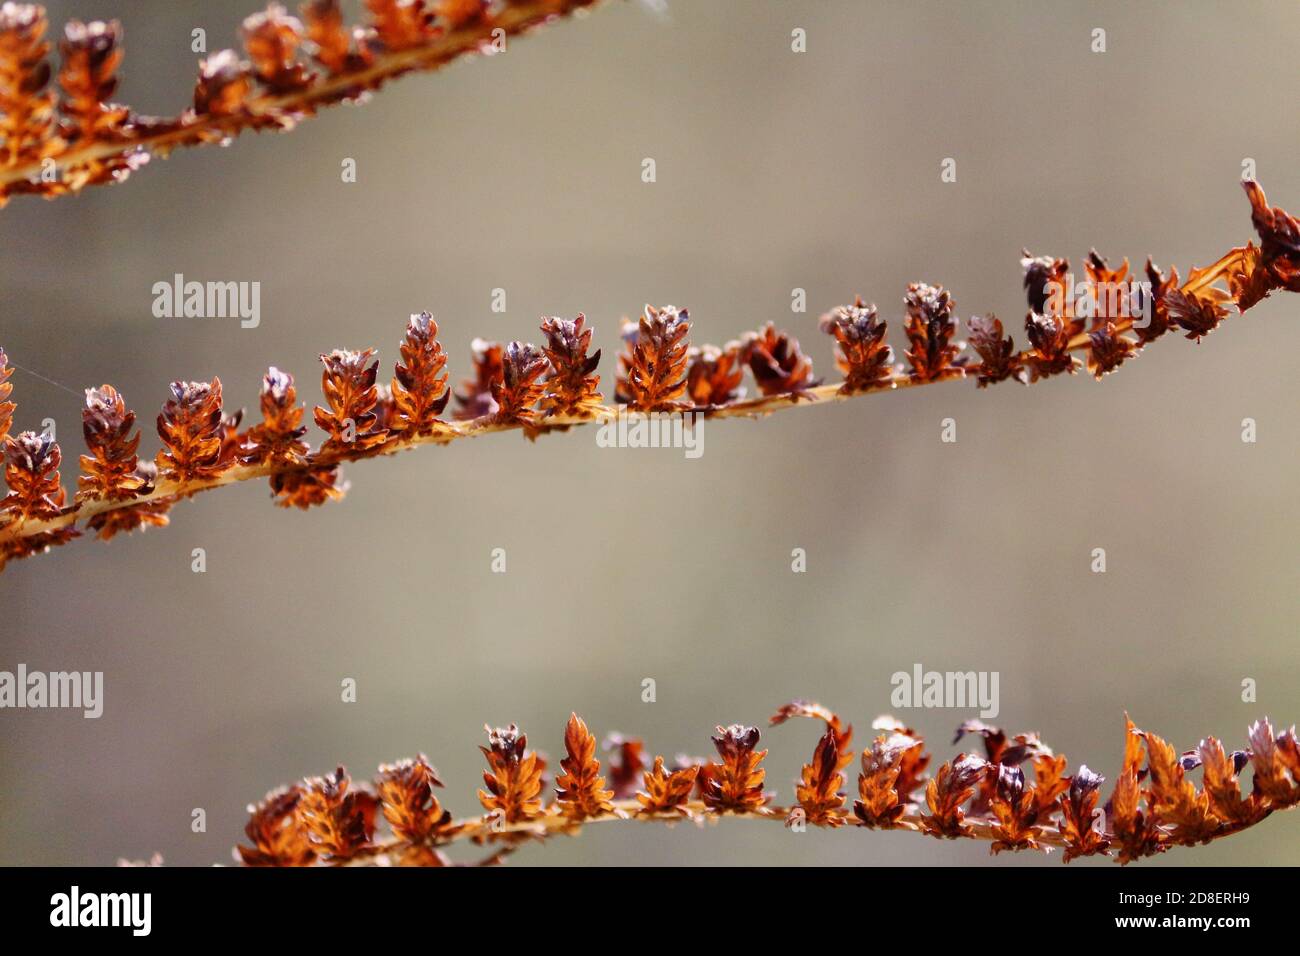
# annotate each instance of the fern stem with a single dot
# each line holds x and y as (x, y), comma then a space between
(451, 431)
(485, 828)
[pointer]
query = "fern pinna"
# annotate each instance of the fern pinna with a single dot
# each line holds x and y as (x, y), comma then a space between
(1014, 794)
(519, 386)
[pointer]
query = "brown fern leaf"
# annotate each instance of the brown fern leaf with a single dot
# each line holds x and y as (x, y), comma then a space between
(626, 763)
(7, 407)
(736, 784)
(513, 778)
(112, 465)
(1158, 323)
(334, 46)
(861, 351)
(191, 427)
(1276, 761)
(276, 832)
(348, 383)
(667, 791)
(272, 38)
(570, 388)
(777, 363)
(818, 790)
(408, 802)
(1173, 798)
(308, 488)
(278, 439)
(1223, 788)
(656, 364)
(419, 389)
(628, 333)
(951, 787)
(339, 819)
(147, 514)
(1106, 290)
(1078, 811)
(234, 443)
(31, 468)
(1049, 346)
(400, 24)
(1137, 834)
(816, 711)
(914, 760)
(883, 791)
(1248, 280)
(223, 89)
(714, 375)
(474, 396)
(930, 328)
(1050, 779)
(520, 387)
(91, 55)
(1000, 360)
(32, 473)
(385, 408)
(1279, 234)
(31, 544)
(1016, 808)
(26, 105)
(1108, 349)
(1000, 751)
(1044, 280)
(580, 790)
(1196, 313)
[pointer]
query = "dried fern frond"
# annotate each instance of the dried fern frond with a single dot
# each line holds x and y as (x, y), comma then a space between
(53, 145)
(535, 390)
(989, 796)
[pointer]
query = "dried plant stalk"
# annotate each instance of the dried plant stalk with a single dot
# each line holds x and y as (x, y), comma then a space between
(522, 387)
(54, 145)
(1015, 795)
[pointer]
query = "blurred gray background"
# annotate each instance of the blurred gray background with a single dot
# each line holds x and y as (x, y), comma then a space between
(775, 170)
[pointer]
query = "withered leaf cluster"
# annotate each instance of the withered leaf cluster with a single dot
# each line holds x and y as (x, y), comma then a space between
(57, 141)
(571, 386)
(580, 790)
(652, 370)
(518, 385)
(1015, 794)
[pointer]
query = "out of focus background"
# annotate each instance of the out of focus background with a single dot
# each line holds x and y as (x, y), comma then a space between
(775, 170)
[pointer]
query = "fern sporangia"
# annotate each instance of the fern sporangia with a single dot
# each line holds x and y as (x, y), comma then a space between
(56, 143)
(535, 390)
(1016, 794)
